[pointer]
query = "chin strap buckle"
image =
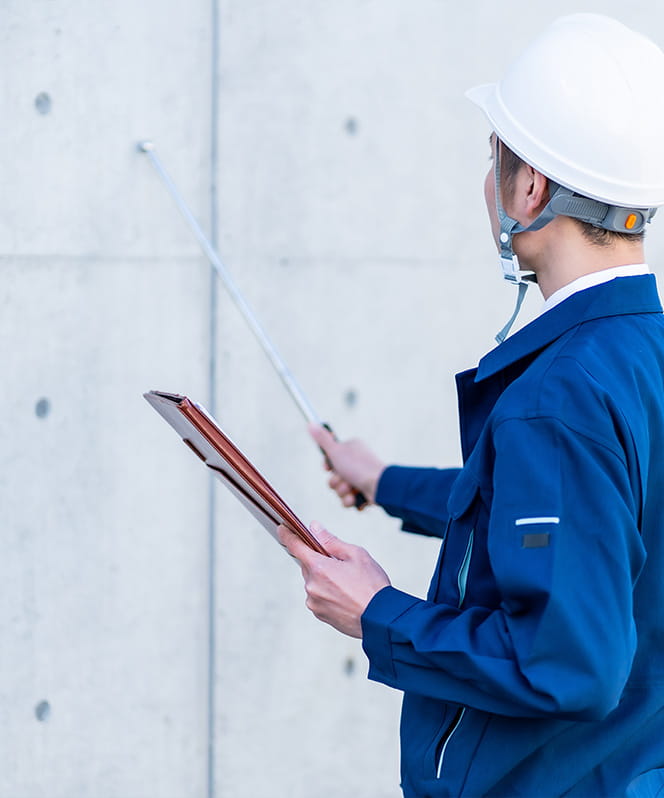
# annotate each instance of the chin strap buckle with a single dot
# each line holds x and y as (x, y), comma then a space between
(512, 271)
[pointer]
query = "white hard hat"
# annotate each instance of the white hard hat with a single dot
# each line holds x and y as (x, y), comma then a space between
(584, 105)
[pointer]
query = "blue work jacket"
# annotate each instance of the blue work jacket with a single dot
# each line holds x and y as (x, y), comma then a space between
(535, 667)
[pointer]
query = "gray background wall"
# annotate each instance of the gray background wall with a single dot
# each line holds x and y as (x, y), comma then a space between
(154, 640)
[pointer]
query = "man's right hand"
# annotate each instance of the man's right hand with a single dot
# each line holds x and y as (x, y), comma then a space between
(354, 467)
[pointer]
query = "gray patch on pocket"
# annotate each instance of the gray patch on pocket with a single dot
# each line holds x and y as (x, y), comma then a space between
(539, 540)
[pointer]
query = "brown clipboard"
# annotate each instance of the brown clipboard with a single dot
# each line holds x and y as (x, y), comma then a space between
(204, 437)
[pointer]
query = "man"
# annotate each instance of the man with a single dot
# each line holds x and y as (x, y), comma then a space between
(536, 665)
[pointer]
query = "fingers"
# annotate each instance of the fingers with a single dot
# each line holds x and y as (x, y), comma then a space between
(323, 437)
(353, 466)
(325, 440)
(344, 490)
(339, 484)
(336, 547)
(305, 555)
(294, 545)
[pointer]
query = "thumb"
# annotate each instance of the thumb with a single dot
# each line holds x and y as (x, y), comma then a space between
(339, 549)
(323, 437)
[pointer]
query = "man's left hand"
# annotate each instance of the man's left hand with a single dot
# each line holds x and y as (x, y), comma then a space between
(340, 587)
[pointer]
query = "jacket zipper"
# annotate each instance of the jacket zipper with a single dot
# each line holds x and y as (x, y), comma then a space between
(450, 733)
(462, 579)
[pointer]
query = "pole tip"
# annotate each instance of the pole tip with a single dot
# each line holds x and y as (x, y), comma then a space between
(145, 146)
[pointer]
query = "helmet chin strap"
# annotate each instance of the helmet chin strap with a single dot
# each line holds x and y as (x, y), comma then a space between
(502, 334)
(509, 262)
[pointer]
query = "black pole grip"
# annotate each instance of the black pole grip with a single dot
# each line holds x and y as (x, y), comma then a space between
(360, 500)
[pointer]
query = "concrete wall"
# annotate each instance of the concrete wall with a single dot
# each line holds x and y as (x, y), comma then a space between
(154, 640)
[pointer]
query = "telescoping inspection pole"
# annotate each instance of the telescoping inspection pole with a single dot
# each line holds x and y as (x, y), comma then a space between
(307, 410)
(268, 347)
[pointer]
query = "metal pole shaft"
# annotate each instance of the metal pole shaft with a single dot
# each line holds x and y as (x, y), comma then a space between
(268, 347)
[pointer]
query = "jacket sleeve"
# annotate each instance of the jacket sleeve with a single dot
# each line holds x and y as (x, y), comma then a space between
(418, 496)
(565, 552)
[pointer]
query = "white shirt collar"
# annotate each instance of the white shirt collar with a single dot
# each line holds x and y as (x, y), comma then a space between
(590, 280)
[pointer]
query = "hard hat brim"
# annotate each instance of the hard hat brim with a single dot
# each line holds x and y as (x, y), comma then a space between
(479, 95)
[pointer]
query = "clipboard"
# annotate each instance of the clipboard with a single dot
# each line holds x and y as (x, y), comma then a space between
(201, 433)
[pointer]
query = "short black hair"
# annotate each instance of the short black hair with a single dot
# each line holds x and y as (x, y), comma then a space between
(510, 163)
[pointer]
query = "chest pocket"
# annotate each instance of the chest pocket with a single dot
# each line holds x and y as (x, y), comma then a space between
(449, 583)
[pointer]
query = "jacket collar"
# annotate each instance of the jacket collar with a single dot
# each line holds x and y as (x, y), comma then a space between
(624, 295)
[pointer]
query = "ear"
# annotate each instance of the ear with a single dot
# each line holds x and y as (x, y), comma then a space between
(535, 192)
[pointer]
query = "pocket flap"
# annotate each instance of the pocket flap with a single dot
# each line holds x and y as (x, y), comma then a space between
(462, 495)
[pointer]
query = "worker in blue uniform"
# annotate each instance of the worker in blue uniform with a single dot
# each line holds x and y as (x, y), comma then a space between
(535, 666)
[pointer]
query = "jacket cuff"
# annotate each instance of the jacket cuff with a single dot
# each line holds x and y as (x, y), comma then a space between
(392, 487)
(383, 609)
